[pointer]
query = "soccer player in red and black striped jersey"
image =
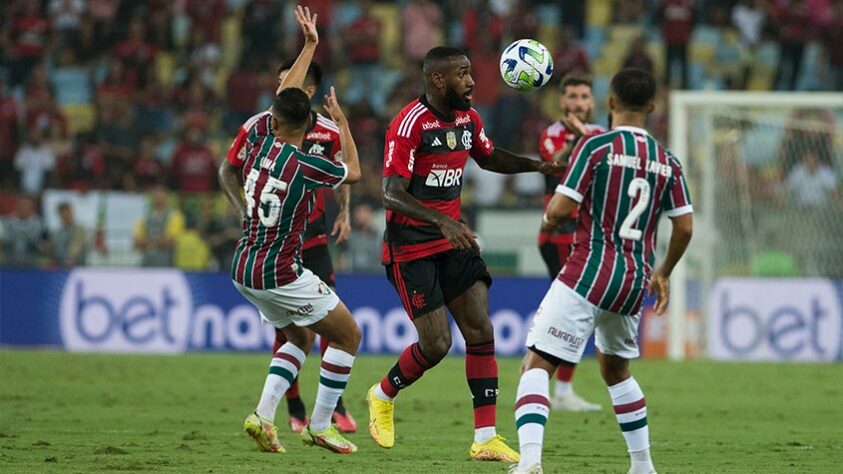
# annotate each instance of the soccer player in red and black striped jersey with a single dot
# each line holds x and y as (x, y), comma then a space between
(556, 144)
(622, 181)
(267, 267)
(321, 139)
(430, 254)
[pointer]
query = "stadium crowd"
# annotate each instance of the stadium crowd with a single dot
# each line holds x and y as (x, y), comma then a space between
(144, 96)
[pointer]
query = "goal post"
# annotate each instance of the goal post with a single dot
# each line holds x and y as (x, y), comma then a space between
(745, 156)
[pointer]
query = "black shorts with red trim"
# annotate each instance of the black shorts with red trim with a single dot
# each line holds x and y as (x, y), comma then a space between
(318, 260)
(428, 283)
(555, 255)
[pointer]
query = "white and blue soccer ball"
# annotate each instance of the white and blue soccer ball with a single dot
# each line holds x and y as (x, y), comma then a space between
(526, 65)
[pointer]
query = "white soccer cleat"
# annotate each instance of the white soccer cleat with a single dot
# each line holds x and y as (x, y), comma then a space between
(633, 470)
(534, 469)
(573, 402)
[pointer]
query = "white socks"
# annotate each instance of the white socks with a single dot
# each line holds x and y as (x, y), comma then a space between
(532, 408)
(631, 413)
(283, 370)
(333, 378)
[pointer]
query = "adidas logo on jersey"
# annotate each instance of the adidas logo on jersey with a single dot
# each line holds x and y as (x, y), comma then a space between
(444, 178)
(436, 142)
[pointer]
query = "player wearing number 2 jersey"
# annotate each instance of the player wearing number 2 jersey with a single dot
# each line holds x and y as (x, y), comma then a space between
(622, 181)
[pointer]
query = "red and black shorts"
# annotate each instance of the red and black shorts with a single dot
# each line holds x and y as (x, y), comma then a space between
(555, 255)
(429, 283)
(318, 260)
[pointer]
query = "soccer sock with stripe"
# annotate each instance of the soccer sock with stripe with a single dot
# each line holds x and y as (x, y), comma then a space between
(481, 370)
(564, 375)
(532, 408)
(410, 367)
(631, 413)
(333, 378)
(292, 393)
(283, 370)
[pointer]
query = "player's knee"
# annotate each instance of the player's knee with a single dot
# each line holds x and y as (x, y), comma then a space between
(614, 370)
(435, 348)
(481, 331)
(300, 338)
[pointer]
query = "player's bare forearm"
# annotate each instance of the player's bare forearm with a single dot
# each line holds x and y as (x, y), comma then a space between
(564, 154)
(343, 197)
(559, 209)
(297, 73)
(680, 236)
(506, 162)
(397, 199)
(229, 178)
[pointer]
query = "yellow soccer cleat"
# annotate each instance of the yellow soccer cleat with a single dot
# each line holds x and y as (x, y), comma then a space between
(329, 438)
(263, 432)
(381, 425)
(493, 450)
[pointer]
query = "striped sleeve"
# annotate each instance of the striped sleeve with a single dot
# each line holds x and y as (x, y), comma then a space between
(236, 154)
(482, 146)
(319, 172)
(580, 172)
(677, 200)
(402, 139)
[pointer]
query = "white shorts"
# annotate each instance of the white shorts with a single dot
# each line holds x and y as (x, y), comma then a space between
(303, 302)
(565, 321)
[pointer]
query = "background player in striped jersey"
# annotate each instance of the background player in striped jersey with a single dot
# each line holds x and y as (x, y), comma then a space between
(267, 267)
(321, 139)
(622, 180)
(556, 144)
(431, 255)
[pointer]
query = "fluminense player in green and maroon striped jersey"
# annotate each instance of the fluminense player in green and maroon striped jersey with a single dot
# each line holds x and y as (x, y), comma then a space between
(267, 267)
(622, 181)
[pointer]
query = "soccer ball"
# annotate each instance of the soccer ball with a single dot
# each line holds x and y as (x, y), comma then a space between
(526, 65)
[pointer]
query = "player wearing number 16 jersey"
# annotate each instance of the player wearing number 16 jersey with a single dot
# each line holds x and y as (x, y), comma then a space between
(622, 181)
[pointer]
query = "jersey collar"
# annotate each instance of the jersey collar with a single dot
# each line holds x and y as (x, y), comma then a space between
(631, 129)
(436, 113)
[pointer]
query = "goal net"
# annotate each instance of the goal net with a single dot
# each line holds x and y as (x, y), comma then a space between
(766, 176)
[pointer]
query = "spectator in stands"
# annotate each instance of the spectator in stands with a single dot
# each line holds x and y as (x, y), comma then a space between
(364, 244)
(485, 70)
(568, 56)
(120, 135)
(148, 171)
(523, 21)
(243, 90)
(69, 243)
(66, 19)
(10, 116)
(27, 36)
(748, 17)
(637, 56)
(190, 250)
(812, 183)
(262, 27)
(84, 167)
(793, 19)
(221, 231)
(479, 20)
(362, 46)
(677, 18)
(34, 161)
(135, 52)
(833, 39)
(23, 235)
(421, 28)
(193, 168)
(156, 233)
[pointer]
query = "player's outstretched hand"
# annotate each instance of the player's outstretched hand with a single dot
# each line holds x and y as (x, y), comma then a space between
(458, 234)
(660, 286)
(574, 124)
(552, 168)
(342, 228)
(307, 23)
(334, 110)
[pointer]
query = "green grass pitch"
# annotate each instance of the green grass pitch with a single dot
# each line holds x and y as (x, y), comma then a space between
(62, 412)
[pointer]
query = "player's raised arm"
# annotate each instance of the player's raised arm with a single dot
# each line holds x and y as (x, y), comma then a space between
(295, 77)
(332, 107)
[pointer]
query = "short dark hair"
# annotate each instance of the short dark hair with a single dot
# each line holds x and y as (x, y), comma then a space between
(634, 88)
(314, 71)
(575, 79)
(293, 106)
(63, 205)
(438, 54)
